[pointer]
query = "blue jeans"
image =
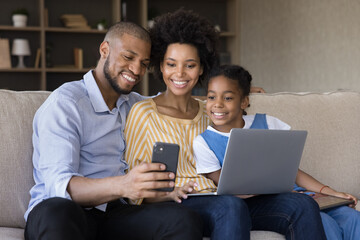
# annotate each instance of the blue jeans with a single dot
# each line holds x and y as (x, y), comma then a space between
(294, 215)
(341, 223)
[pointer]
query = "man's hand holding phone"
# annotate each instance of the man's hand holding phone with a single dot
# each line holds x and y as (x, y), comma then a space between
(141, 181)
(166, 154)
(154, 181)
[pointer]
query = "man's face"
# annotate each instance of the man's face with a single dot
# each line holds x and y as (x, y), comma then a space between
(126, 63)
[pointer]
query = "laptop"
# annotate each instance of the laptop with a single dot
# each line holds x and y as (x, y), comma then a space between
(260, 161)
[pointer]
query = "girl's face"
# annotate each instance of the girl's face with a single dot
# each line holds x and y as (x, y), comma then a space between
(181, 68)
(225, 103)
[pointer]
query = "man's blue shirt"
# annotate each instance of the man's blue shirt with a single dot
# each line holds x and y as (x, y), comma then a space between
(76, 134)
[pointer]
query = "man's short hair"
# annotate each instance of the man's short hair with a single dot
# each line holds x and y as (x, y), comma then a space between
(133, 29)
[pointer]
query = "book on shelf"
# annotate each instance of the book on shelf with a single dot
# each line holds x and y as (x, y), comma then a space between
(37, 58)
(74, 21)
(5, 61)
(78, 58)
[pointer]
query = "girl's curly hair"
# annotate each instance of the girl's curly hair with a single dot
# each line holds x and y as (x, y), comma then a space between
(184, 26)
(233, 72)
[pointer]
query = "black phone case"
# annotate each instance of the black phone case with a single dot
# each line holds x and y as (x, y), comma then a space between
(168, 154)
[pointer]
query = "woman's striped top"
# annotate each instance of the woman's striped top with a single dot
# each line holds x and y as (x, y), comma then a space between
(145, 126)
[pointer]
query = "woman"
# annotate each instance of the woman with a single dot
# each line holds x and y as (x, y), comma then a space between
(183, 52)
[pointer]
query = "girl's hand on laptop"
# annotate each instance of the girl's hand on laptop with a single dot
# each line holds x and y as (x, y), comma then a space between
(181, 192)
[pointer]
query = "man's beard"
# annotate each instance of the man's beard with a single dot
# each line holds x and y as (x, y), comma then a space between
(112, 81)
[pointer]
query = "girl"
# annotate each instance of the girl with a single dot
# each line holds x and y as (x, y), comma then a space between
(227, 99)
(183, 52)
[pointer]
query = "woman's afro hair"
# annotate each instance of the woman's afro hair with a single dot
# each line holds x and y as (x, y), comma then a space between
(183, 26)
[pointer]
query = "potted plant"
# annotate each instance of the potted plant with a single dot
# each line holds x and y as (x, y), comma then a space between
(19, 17)
(101, 24)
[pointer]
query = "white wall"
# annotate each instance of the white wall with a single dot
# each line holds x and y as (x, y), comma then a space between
(301, 45)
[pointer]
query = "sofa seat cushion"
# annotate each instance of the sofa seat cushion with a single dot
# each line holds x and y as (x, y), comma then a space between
(11, 233)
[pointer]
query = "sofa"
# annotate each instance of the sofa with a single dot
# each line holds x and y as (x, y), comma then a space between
(331, 151)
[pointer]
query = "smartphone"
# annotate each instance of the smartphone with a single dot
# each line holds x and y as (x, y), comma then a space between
(168, 154)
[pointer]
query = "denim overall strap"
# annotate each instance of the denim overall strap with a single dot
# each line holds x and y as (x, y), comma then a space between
(259, 122)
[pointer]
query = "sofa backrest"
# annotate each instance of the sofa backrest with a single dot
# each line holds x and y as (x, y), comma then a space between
(17, 110)
(332, 149)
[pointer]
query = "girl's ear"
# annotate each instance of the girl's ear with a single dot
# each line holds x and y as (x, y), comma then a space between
(245, 102)
(201, 70)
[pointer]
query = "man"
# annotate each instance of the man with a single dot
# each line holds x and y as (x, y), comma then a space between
(81, 187)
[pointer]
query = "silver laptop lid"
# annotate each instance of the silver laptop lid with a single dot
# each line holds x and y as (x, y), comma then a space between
(259, 161)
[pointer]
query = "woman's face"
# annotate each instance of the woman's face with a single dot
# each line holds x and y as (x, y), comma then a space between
(181, 68)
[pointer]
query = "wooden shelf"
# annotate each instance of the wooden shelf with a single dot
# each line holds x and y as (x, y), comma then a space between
(12, 28)
(67, 70)
(73, 30)
(45, 32)
(56, 43)
(20, 70)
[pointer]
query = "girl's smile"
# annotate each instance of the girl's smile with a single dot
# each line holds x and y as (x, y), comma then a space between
(225, 103)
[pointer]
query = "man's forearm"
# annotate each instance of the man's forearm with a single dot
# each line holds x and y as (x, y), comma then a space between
(90, 192)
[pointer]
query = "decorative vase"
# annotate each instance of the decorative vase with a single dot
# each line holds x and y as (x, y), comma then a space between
(19, 20)
(150, 23)
(100, 26)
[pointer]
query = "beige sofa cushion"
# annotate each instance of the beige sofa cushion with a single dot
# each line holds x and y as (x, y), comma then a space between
(332, 149)
(11, 233)
(16, 114)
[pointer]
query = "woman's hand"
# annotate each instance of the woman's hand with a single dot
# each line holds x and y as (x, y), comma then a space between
(257, 90)
(181, 192)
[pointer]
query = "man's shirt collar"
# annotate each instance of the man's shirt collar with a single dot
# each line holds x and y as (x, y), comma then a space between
(96, 98)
